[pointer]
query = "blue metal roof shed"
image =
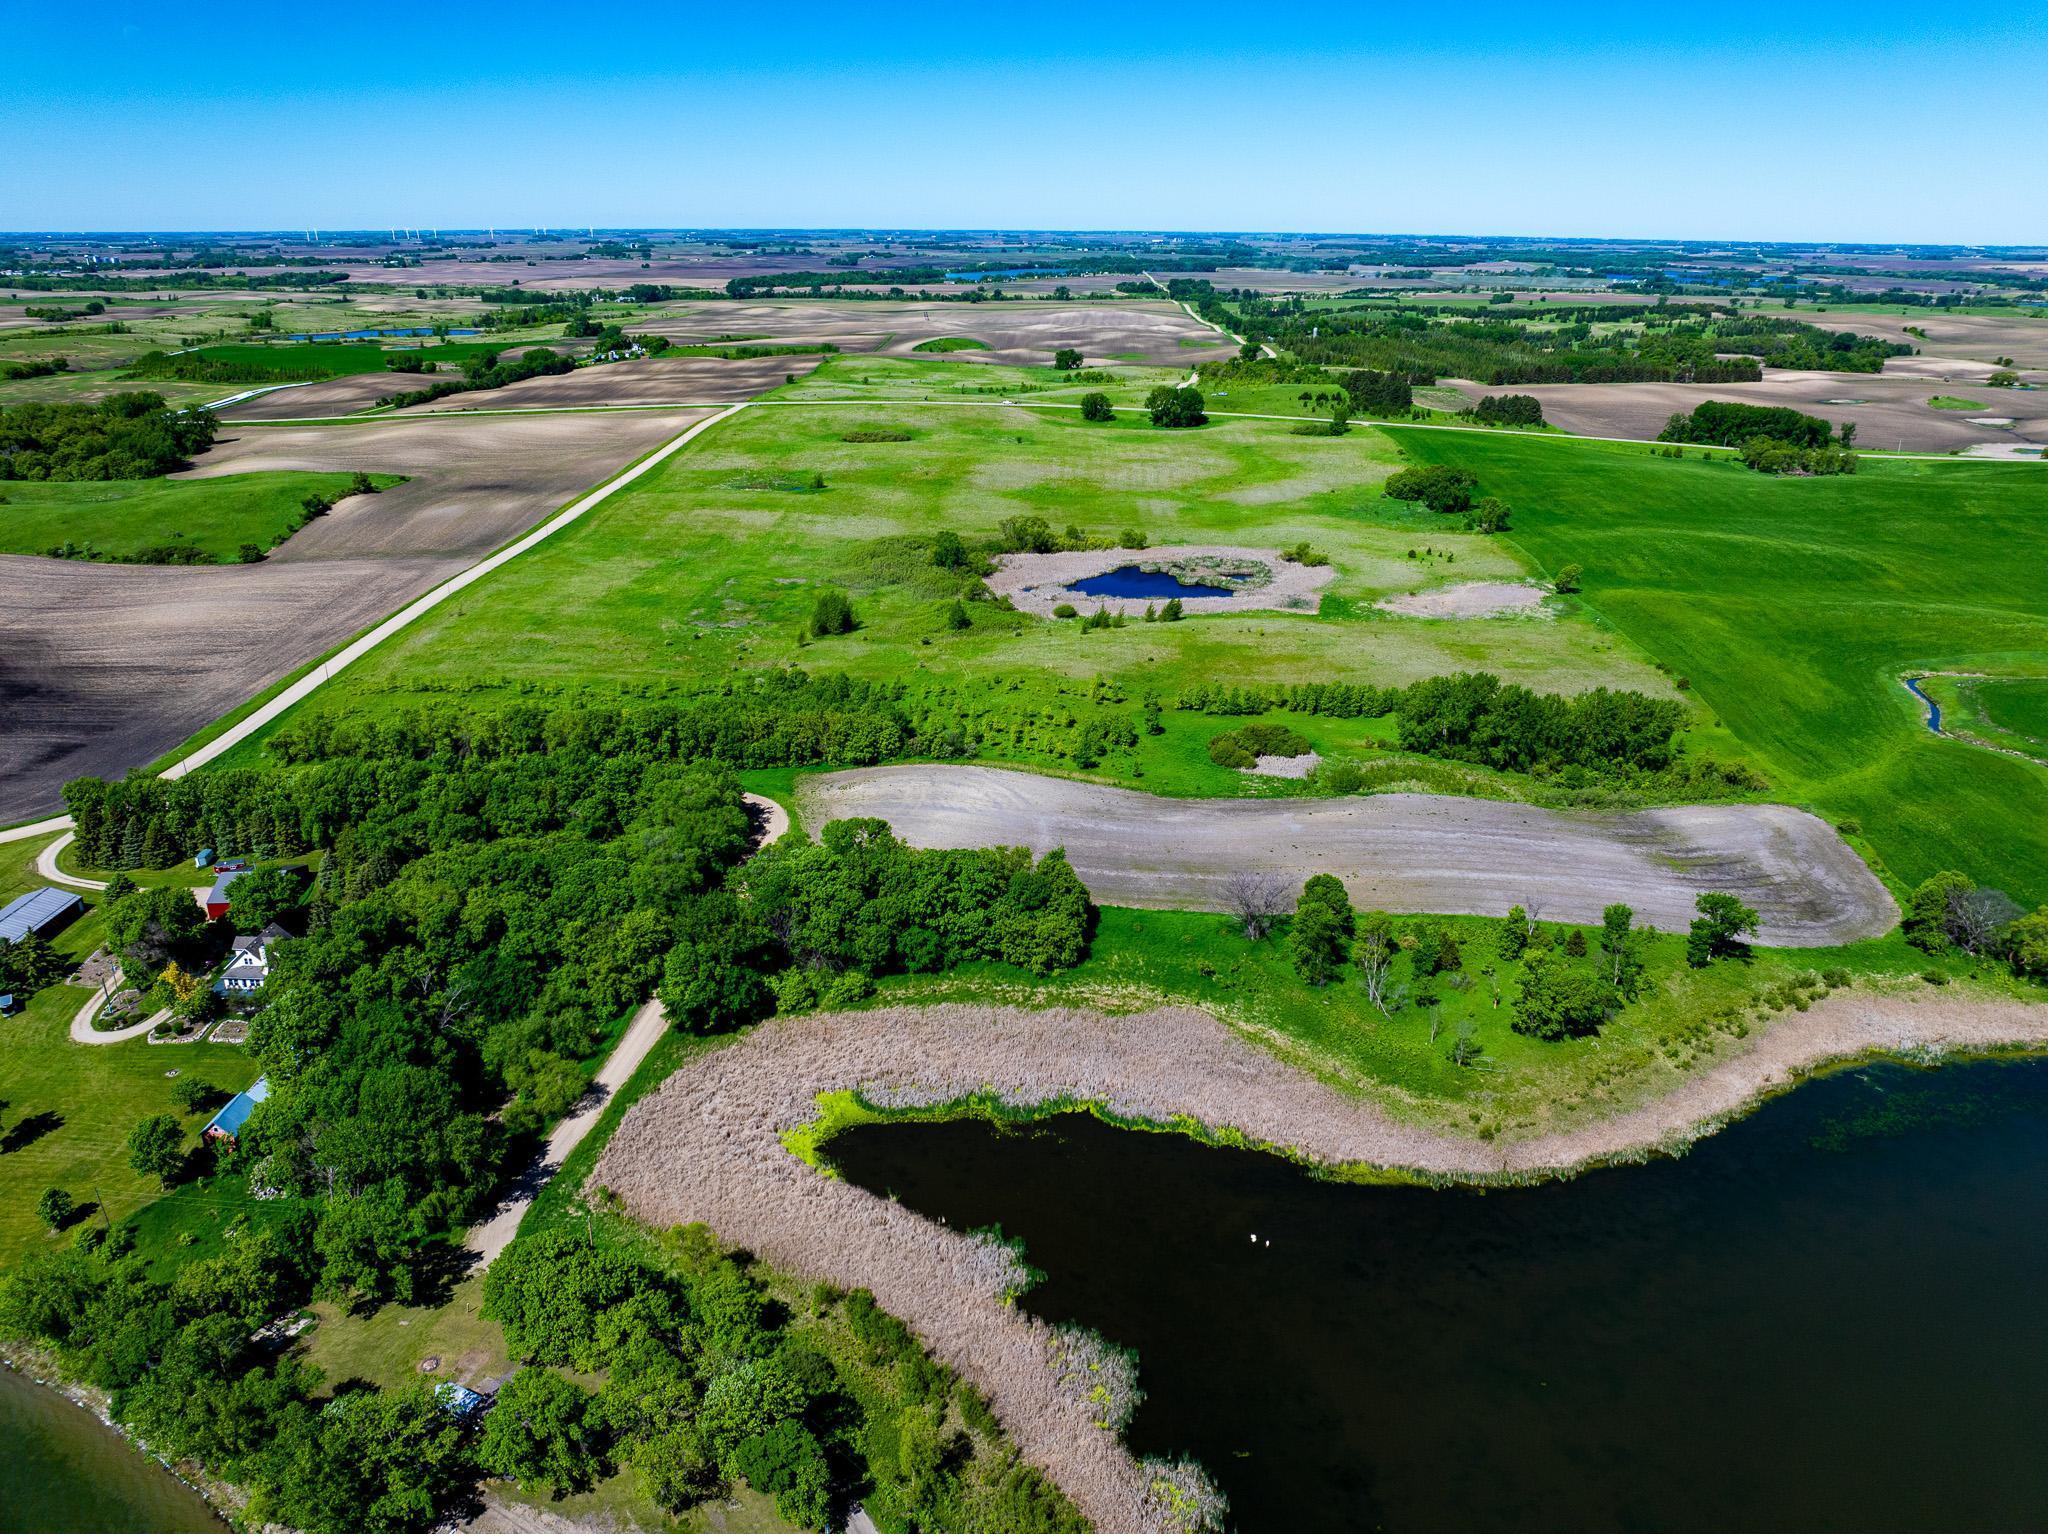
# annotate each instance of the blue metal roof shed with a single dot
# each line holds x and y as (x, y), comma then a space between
(39, 911)
(229, 1120)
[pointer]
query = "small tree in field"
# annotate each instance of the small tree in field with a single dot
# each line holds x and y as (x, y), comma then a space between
(1375, 955)
(1718, 929)
(55, 1208)
(1257, 898)
(1095, 407)
(156, 1148)
(1066, 359)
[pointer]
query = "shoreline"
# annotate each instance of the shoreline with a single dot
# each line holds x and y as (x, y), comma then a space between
(226, 1501)
(714, 1143)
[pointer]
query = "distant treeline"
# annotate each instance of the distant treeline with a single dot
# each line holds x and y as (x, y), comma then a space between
(73, 282)
(487, 371)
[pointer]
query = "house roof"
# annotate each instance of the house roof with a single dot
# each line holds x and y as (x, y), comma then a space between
(229, 1120)
(34, 911)
(219, 893)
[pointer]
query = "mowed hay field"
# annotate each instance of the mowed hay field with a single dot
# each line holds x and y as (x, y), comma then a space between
(713, 562)
(1793, 606)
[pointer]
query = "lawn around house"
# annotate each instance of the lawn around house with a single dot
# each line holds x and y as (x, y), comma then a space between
(203, 521)
(66, 1109)
(1793, 606)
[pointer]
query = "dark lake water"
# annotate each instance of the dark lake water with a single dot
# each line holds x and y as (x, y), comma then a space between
(1130, 581)
(62, 1473)
(1829, 1317)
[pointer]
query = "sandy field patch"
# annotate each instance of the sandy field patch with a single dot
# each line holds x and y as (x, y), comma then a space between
(1284, 766)
(1979, 337)
(705, 1146)
(1037, 583)
(1394, 852)
(1471, 599)
(1891, 412)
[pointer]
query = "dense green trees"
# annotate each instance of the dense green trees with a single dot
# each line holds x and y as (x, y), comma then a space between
(156, 1148)
(1319, 938)
(1561, 1000)
(1509, 410)
(1379, 393)
(1174, 408)
(1475, 717)
(538, 1433)
(124, 436)
(1725, 423)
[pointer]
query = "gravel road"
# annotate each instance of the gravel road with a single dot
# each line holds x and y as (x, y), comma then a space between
(1396, 852)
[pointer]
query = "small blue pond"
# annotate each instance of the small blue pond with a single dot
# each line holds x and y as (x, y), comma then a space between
(1130, 581)
(371, 335)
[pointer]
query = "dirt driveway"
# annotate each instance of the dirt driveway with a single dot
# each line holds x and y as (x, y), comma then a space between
(1397, 852)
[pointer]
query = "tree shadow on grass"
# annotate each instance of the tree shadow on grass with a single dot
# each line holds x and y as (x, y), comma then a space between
(30, 1130)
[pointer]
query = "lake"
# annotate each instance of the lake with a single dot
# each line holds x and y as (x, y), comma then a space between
(63, 1473)
(1130, 581)
(1825, 1318)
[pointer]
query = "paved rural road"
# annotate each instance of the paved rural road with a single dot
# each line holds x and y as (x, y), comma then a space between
(495, 1234)
(1397, 852)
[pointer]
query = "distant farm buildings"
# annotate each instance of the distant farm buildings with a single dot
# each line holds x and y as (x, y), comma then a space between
(41, 911)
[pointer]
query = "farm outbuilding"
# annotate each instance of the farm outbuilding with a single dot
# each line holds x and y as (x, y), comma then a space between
(227, 1124)
(216, 901)
(41, 911)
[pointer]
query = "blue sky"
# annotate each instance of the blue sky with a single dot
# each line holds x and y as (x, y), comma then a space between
(1829, 121)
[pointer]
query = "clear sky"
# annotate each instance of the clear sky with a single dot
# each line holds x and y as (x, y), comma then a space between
(1871, 121)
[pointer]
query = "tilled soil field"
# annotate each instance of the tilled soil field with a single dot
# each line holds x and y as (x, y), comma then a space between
(1015, 333)
(648, 381)
(1395, 852)
(707, 1147)
(474, 483)
(105, 667)
(1890, 412)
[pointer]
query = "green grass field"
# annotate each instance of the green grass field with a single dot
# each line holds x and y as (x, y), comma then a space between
(66, 1109)
(2007, 712)
(1953, 402)
(712, 564)
(258, 361)
(1794, 605)
(117, 519)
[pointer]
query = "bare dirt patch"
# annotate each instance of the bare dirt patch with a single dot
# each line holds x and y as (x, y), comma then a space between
(1396, 852)
(329, 396)
(1037, 583)
(1472, 599)
(707, 1146)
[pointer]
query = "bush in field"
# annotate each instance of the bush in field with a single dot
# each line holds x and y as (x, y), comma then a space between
(1438, 486)
(832, 613)
(1096, 407)
(1066, 359)
(1324, 923)
(1561, 1000)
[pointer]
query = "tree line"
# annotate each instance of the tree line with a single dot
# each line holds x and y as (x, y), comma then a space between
(124, 436)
